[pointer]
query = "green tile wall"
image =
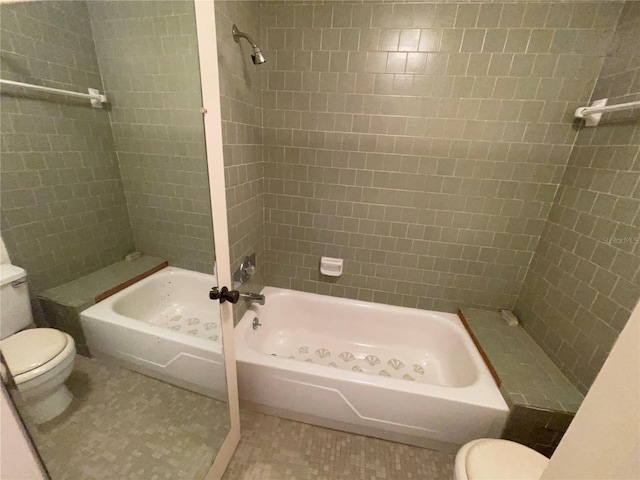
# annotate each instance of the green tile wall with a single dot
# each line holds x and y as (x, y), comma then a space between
(241, 104)
(148, 58)
(421, 142)
(63, 211)
(527, 376)
(584, 279)
(537, 428)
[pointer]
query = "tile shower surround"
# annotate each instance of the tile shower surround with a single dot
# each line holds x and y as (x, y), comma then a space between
(584, 279)
(425, 143)
(148, 56)
(241, 108)
(63, 208)
(422, 142)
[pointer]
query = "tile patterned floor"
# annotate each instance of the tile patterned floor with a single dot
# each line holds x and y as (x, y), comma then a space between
(272, 448)
(123, 425)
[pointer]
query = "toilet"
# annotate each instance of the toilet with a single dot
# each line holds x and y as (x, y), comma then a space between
(492, 459)
(39, 359)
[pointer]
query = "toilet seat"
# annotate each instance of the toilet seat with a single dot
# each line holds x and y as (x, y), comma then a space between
(33, 352)
(491, 459)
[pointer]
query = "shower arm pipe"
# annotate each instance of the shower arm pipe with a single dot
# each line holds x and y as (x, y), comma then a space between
(257, 56)
(237, 34)
(593, 113)
(96, 98)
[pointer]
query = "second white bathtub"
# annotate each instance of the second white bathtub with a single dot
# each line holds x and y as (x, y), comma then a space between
(165, 327)
(401, 374)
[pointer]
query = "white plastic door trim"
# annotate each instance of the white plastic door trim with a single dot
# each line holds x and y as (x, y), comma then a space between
(208, 54)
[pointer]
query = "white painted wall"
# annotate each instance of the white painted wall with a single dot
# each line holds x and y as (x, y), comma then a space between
(603, 441)
(18, 460)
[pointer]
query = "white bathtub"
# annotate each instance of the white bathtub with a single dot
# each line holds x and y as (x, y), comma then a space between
(163, 326)
(401, 374)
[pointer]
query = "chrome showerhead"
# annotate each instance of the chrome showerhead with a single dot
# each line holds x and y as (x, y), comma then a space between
(257, 56)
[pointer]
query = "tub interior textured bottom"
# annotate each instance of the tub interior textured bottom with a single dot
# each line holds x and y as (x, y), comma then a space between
(388, 366)
(190, 321)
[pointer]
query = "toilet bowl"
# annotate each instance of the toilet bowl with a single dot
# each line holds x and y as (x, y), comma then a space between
(39, 359)
(491, 459)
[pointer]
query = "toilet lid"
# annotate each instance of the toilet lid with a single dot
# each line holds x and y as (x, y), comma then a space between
(504, 460)
(31, 348)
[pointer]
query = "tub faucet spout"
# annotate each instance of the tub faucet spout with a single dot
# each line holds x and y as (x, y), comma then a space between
(253, 297)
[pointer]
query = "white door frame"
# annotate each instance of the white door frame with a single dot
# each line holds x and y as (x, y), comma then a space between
(208, 54)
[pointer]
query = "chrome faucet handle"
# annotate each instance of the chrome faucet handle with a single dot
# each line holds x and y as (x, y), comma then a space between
(249, 269)
(245, 271)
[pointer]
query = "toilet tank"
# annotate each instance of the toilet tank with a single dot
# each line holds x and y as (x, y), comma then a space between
(15, 307)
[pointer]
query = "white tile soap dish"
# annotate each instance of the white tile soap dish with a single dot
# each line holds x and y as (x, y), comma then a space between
(331, 267)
